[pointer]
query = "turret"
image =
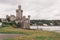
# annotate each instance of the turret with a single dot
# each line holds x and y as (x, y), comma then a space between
(29, 18)
(19, 7)
(16, 10)
(29, 22)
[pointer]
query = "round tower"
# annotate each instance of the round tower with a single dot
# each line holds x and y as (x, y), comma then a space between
(29, 17)
(29, 22)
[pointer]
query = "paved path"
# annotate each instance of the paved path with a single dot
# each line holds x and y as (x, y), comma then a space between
(3, 36)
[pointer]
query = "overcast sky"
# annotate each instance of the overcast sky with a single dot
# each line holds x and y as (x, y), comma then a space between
(38, 9)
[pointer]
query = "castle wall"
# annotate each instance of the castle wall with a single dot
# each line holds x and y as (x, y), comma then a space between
(12, 18)
(4, 20)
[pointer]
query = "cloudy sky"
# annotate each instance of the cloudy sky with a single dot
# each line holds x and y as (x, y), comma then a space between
(38, 9)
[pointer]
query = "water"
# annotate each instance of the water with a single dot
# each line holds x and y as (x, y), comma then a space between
(48, 28)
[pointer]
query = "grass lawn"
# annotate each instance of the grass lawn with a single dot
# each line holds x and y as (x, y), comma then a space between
(30, 34)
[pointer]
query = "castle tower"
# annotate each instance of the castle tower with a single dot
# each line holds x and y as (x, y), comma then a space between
(29, 18)
(19, 12)
(29, 21)
(26, 22)
(22, 20)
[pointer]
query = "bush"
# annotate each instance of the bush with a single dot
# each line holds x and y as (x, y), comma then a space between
(0, 20)
(19, 25)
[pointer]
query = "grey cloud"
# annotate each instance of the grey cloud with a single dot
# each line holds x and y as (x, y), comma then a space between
(12, 2)
(38, 9)
(42, 8)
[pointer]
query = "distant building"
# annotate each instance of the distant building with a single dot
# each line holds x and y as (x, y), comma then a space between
(19, 18)
(51, 24)
(45, 25)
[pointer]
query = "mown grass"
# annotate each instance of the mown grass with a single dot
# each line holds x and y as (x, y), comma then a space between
(30, 34)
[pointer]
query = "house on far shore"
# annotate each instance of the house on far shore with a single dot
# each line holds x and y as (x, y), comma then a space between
(45, 25)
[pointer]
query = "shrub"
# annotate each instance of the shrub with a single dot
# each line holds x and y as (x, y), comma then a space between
(19, 25)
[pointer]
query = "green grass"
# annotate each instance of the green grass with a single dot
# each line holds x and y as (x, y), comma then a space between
(12, 32)
(35, 38)
(46, 38)
(30, 34)
(8, 39)
(40, 37)
(6, 30)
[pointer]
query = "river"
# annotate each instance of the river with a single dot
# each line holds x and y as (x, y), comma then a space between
(48, 28)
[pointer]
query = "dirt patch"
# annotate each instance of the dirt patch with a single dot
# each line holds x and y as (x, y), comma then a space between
(3, 36)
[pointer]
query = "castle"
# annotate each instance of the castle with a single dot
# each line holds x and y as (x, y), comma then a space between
(19, 18)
